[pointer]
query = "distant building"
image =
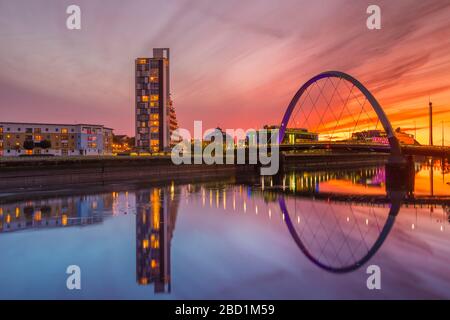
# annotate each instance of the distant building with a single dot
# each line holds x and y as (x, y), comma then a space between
(370, 136)
(380, 136)
(122, 144)
(18, 139)
(405, 138)
(155, 115)
(291, 135)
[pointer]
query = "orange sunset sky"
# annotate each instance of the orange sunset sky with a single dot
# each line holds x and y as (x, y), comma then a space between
(235, 64)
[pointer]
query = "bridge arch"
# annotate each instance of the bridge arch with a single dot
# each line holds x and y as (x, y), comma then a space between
(395, 205)
(393, 141)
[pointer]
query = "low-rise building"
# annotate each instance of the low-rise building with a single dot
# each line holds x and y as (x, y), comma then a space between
(291, 136)
(18, 139)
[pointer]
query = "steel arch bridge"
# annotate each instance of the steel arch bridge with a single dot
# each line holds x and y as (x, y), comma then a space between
(306, 89)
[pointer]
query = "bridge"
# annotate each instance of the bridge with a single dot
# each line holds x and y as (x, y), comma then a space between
(430, 151)
(341, 114)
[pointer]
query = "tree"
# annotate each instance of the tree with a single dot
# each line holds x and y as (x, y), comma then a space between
(45, 144)
(28, 144)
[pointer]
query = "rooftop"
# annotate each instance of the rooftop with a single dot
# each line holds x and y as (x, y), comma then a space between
(52, 124)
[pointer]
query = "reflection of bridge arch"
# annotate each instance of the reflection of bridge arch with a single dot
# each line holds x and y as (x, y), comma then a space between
(394, 209)
(393, 141)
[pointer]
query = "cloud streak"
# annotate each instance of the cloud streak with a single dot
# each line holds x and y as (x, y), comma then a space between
(234, 63)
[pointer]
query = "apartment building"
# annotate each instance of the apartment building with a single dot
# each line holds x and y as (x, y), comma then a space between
(18, 139)
(155, 115)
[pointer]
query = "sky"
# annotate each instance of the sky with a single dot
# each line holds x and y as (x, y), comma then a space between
(234, 64)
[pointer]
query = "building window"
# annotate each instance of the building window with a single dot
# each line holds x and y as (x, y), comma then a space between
(37, 138)
(64, 130)
(154, 97)
(37, 130)
(154, 116)
(144, 98)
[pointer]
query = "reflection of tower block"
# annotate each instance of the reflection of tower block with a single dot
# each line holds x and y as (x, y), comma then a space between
(154, 226)
(143, 227)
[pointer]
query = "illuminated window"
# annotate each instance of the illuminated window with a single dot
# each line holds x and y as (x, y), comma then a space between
(153, 79)
(145, 243)
(154, 143)
(38, 215)
(154, 117)
(37, 138)
(153, 264)
(154, 97)
(154, 123)
(142, 61)
(145, 98)
(64, 130)
(1, 129)
(154, 242)
(291, 139)
(154, 129)
(154, 104)
(64, 219)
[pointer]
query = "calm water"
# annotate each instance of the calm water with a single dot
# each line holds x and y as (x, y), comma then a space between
(304, 235)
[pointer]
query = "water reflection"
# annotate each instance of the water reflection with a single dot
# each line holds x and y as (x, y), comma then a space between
(339, 220)
(156, 214)
(50, 213)
(336, 244)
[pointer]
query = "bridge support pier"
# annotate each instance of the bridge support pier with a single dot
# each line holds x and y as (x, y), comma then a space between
(400, 175)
